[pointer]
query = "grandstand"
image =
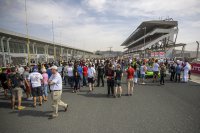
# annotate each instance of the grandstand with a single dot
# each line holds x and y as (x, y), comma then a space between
(152, 36)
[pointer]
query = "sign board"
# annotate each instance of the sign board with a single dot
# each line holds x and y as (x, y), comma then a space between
(158, 54)
(195, 68)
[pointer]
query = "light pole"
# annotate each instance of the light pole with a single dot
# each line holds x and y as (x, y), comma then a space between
(54, 49)
(27, 35)
(145, 28)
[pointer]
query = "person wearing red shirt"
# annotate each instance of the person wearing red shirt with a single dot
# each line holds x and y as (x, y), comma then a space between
(85, 73)
(130, 75)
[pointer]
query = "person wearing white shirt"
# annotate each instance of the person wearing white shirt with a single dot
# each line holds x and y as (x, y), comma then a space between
(186, 69)
(70, 75)
(35, 79)
(20, 70)
(55, 82)
(155, 70)
(65, 74)
(91, 77)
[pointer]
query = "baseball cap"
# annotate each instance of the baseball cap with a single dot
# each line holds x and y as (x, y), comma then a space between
(54, 67)
(35, 70)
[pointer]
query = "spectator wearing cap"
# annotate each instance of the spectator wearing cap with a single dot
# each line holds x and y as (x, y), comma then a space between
(55, 82)
(35, 79)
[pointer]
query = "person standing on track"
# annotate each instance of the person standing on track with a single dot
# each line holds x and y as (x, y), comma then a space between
(91, 77)
(85, 73)
(118, 77)
(143, 70)
(14, 83)
(155, 70)
(55, 82)
(35, 79)
(26, 83)
(130, 75)
(162, 73)
(101, 73)
(110, 79)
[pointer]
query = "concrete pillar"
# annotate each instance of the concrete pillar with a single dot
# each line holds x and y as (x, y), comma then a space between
(61, 54)
(36, 54)
(54, 53)
(2, 47)
(183, 50)
(47, 52)
(33, 48)
(83, 55)
(197, 56)
(8, 49)
(67, 55)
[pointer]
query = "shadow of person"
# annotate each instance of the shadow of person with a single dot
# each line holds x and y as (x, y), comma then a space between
(94, 95)
(33, 113)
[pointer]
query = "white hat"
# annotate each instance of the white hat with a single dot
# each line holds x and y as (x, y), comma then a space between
(54, 67)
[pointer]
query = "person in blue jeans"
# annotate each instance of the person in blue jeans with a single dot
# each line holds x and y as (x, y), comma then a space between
(178, 73)
(80, 71)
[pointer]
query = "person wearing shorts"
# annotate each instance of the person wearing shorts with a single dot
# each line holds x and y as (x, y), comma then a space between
(35, 79)
(45, 84)
(155, 70)
(130, 76)
(14, 83)
(118, 76)
(91, 76)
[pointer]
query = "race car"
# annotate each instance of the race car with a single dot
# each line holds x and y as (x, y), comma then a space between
(149, 73)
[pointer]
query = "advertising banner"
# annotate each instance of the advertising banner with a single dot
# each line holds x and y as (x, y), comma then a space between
(195, 68)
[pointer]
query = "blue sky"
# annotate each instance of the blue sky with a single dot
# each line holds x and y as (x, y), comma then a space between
(97, 24)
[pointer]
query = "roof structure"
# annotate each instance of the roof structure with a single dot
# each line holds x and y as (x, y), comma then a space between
(149, 31)
(36, 39)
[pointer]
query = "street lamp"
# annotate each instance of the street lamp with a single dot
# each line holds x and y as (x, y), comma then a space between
(54, 48)
(145, 30)
(27, 35)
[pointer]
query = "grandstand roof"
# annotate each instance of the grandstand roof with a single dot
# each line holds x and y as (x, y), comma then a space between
(149, 26)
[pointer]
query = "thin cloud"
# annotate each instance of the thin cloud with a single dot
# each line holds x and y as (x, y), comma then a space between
(97, 24)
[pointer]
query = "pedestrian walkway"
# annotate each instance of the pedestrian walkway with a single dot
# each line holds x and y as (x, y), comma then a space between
(195, 78)
(170, 108)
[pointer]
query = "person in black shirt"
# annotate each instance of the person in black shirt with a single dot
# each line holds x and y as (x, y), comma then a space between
(14, 82)
(172, 71)
(76, 78)
(3, 79)
(110, 79)
(101, 73)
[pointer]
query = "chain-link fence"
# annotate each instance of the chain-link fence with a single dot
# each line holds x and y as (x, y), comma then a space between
(190, 50)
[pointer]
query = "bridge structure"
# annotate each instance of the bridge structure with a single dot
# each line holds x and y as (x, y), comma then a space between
(14, 50)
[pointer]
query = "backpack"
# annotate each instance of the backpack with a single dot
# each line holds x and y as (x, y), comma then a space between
(14, 80)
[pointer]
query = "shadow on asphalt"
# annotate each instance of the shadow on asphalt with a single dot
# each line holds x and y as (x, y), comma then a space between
(94, 95)
(33, 113)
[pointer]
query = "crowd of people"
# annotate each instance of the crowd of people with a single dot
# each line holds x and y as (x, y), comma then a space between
(38, 80)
